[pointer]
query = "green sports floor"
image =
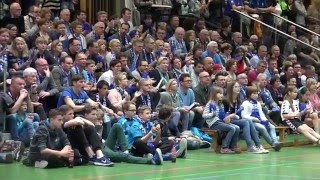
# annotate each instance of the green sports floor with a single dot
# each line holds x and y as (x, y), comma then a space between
(302, 162)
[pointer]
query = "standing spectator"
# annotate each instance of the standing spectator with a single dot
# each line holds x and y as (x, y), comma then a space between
(125, 18)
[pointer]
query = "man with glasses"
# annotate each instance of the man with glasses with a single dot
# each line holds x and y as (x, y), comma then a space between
(187, 98)
(80, 64)
(46, 87)
(142, 71)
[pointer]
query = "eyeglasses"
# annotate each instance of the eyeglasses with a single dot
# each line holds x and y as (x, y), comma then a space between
(187, 80)
(132, 110)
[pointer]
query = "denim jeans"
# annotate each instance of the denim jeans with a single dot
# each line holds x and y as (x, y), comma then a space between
(116, 136)
(269, 133)
(232, 131)
(28, 130)
(248, 131)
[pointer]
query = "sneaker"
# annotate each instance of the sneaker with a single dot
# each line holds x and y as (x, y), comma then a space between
(104, 161)
(254, 150)
(19, 151)
(41, 164)
(261, 148)
(236, 150)
(182, 148)
(157, 157)
(226, 151)
(276, 146)
(149, 156)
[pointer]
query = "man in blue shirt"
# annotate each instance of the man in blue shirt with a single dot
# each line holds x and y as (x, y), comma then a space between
(212, 51)
(75, 96)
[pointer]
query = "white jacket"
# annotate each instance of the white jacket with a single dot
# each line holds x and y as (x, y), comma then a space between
(248, 108)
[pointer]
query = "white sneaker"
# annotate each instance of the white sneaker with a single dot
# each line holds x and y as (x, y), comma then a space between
(253, 150)
(261, 148)
(41, 164)
(182, 148)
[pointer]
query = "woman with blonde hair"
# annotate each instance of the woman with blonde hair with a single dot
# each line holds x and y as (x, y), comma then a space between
(161, 73)
(170, 97)
(18, 56)
(46, 14)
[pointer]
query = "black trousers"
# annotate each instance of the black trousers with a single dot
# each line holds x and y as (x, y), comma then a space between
(140, 148)
(82, 137)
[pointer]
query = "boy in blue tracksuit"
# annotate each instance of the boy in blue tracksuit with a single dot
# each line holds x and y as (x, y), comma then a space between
(139, 132)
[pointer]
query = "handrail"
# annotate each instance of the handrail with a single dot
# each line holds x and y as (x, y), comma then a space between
(306, 29)
(275, 29)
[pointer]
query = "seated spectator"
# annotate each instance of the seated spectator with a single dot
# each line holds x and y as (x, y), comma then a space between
(75, 96)
(41, 51)
(195, 71)
(43, 32)
(181, 113)
(27, 123)
(80, 64)
(212, 51)
(201, 91)
(90, 77)
(115, 69)
(261, 56)
(93, 54)
(277, 90)
(119, 95)
(114, 45)
(47, 88)
(62, 74)
(217, 119)
(123, 37)
(44, 153)
(311, 115)
(291, 116)
(177, 43)
(253, 73)
(148, 97)
(313, 87)
(30, 77)
(59, 33)
(73, 48)
(83, 136)
(142, 71)
(253, 111)
(56, 50)
(134, 54)
(18, 56)
(161, 74)
(76, 27)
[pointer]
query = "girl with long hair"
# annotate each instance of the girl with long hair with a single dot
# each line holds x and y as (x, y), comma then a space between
(291, 115)
(232, 104)
(217, 119)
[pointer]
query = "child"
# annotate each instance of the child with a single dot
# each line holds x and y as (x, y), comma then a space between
(147, 136)
(310, 116)
(291, 115)
(90, 78)
(27, 124)
(252, 110)
(178, 143)
(50, 146)
(217, 119)
(83, 135)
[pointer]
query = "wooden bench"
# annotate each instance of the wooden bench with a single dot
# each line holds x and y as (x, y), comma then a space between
(215, 137)
(282, 132)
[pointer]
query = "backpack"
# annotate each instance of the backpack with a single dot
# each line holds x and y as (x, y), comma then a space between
(11, 150)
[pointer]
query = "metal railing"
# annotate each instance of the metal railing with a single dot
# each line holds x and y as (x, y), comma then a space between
(275, 29)
(297, 25)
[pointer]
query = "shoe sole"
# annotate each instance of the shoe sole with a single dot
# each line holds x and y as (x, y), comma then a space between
(182, 147)
(41, 164)
(103, 164)
(159, 152)
(277, 147)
